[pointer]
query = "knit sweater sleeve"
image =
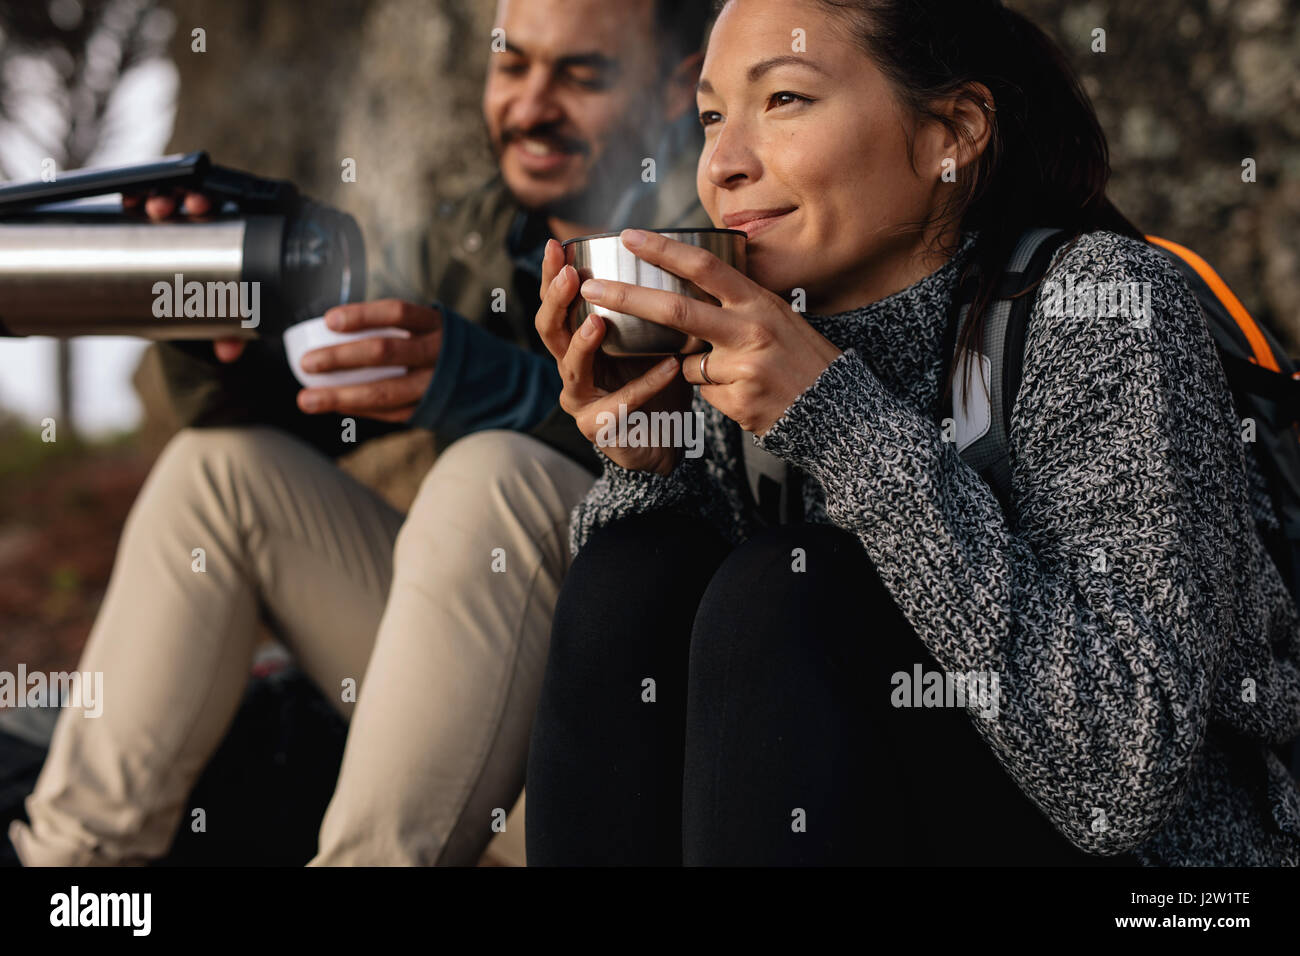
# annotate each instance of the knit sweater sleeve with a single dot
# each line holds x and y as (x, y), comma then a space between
(704, 485)
(1105, 611)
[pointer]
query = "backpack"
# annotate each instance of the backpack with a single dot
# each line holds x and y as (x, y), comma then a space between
(1263, 380)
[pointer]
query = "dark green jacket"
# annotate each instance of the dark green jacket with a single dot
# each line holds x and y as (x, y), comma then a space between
(475, 244)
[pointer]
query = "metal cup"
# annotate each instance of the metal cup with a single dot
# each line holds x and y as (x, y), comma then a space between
(604, 258)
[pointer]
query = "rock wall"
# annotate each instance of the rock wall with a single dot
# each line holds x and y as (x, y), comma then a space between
(1186, 91)
(292, 90)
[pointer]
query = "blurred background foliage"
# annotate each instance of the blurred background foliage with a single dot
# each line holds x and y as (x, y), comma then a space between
(1186, 90)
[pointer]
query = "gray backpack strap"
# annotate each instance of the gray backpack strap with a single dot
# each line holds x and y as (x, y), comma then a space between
(983, 438)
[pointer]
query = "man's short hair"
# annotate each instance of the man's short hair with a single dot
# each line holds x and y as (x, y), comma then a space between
(682, 27)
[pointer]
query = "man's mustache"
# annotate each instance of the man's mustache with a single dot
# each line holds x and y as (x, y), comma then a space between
(567, 144)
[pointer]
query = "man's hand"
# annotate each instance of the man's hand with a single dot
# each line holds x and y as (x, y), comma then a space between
(196, 206)
(389, 400)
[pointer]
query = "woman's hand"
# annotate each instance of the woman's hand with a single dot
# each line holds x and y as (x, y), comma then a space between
(764, 354)
(595, 386)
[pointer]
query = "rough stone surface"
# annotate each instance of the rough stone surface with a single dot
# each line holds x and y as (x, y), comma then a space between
(1186, 91)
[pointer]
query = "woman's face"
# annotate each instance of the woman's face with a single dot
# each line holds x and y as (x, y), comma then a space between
(805, 150)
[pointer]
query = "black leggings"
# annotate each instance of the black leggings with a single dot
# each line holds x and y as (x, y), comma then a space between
(710, 706)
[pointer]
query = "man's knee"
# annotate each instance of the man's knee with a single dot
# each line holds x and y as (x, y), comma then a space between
(498, 480)
(490, 452)
(496, 459)
(211, 470)
(209, 451)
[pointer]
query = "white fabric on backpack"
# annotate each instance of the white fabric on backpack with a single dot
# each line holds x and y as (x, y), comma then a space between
(974, 417)
(760, 463)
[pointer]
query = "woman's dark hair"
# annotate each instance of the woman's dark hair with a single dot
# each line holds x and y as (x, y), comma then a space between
(1046, 162)
(682, 26)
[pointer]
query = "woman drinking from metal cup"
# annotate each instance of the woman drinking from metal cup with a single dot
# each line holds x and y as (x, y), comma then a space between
(824, 640)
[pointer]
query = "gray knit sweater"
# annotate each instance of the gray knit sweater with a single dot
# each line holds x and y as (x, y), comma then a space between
(1136, 701)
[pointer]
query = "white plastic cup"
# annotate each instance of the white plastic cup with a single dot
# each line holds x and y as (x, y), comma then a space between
(315, 334)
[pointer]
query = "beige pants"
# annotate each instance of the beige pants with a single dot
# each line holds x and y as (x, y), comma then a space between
(444, 635)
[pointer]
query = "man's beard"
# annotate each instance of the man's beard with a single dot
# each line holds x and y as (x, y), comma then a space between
(613, 173)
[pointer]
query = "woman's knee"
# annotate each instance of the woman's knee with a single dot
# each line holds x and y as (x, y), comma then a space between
(791, 571)
(647, 558)
(797, 600)
(641, 574)
(624, 617)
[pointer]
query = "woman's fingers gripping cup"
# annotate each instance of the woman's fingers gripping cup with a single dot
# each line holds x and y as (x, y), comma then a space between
(584, 369)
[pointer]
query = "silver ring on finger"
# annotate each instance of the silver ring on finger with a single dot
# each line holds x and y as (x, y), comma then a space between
(704, 369)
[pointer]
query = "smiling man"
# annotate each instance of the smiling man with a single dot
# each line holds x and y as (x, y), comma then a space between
(441, 617)
(575, 153)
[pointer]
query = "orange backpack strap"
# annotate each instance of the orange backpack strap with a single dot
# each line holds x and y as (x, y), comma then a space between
(1262, 353)
(1252, 358)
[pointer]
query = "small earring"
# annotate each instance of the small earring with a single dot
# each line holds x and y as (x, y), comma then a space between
(989, 108)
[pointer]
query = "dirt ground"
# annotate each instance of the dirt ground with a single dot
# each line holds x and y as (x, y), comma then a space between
(60, 520)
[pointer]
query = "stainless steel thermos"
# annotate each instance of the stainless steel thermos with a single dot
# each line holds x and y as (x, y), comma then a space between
(266, 259)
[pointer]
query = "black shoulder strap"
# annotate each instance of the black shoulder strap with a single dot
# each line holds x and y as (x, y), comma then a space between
(1242, 342)
(998, 364)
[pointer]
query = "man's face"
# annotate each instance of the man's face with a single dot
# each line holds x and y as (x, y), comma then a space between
(573, 104)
